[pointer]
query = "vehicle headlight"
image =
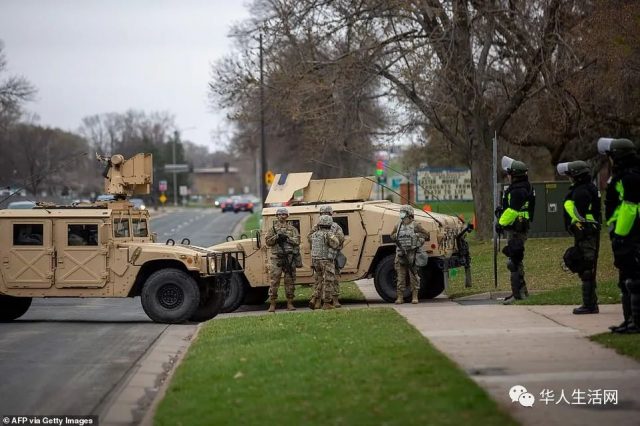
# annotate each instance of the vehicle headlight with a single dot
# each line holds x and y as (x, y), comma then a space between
(212, 264)
(142, 207)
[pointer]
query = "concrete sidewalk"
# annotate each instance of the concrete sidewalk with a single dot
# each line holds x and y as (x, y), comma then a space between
(543, 348)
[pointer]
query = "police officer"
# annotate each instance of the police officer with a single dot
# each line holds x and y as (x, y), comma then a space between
(284, 240)
(409, 237)
(324, 247)
(582, 220)
(621, 214)
(337, 230)
(514, 216)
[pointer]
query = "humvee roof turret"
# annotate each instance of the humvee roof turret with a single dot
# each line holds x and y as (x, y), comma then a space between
(368, 247)
(106, 249)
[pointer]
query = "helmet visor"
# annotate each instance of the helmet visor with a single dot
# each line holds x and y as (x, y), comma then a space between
(604, 145)
(506, 163)
(563, 169)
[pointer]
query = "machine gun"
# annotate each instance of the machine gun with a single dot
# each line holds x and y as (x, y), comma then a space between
(124, 178)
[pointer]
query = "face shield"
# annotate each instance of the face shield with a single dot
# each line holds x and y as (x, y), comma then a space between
(604, 145)
(563, 169)
(506, 163)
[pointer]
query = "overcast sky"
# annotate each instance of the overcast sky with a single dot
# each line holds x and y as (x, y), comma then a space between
(88, 57)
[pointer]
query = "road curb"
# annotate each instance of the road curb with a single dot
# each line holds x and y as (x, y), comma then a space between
(137, 399)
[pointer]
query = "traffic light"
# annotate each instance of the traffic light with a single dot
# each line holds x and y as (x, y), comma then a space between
(380, 168)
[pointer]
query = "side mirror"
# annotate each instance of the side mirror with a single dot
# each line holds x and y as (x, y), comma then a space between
(105, 233)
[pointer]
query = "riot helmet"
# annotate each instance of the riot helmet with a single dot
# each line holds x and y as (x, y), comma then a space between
(617, 149)
(514, 167)
(574, 169)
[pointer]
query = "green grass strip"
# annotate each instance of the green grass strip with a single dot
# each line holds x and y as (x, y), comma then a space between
(351, 367)
(608, 293)
(625, 344)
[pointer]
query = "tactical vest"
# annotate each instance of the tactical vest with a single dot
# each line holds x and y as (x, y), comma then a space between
(614, 203)
(593, 212)
(407, 237)
(286, 247)
(528, 208)
(320, 248)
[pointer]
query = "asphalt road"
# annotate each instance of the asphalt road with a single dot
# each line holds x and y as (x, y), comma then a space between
(66, 356)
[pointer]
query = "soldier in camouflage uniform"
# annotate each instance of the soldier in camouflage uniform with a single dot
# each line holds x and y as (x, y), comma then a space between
(337, 230)
(409, 237)
(324, 247)
(283, 239)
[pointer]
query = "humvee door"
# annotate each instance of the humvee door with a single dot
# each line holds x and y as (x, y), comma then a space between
(27, 254)
(81, 256)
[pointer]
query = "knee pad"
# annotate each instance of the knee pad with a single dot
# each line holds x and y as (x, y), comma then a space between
(633, 286)
(512, 265)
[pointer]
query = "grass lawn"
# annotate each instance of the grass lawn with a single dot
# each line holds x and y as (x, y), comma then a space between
(349, 293)
(339, 367)
(542, 262)
(623, 344)
(252, 223)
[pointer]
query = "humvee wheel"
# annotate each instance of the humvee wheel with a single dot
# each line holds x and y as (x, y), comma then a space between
(13, 307)
(256, 295)
(431, 282)
(234, 294)
(385, 281)
(211, 301)
(170, 296)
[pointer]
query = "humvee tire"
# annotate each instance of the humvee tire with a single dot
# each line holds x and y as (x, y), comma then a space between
(13, 307)
(256, 295)
(384, 280)
(170, 296)
(211, 301)
(234, 296)
(431, 281)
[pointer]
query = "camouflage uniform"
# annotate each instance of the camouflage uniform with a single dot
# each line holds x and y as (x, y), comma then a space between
(282, 259)
(409, 237)
(324, 247)
(337, 231)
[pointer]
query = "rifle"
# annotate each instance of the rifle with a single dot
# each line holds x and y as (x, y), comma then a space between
(287, 267)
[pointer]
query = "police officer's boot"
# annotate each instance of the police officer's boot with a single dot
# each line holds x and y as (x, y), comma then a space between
(633, 286)
(589, 299)
(336, 302)
(400, 297)
(626, 309)
(414, 296)
(272, 305)
(290, 306)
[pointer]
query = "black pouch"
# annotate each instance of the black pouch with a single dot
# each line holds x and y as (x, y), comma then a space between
(521, 225)
(573, 259)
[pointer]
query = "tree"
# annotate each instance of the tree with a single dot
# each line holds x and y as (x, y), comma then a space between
(14, 91)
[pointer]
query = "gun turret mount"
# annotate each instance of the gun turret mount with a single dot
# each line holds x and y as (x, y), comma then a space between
(124, 178)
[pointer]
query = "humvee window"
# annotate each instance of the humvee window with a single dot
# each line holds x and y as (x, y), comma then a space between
(139, 228)
(82, 235)
(121, 227)
(28, 234)
(343, 221)
(296, 224)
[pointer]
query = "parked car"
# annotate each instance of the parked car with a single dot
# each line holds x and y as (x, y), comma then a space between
(21, 205)
(242, 205)
(226, 205)
(218, 201)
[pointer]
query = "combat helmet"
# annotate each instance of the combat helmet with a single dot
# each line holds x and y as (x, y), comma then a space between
(514, 167)
(325, 221)
(573, 169)
(407, 210)
(326, 210)
(282, 211)
(617, 149)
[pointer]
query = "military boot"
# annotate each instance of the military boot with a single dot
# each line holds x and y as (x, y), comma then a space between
(336, 302)
(634, 292)
(400, 298)
(414, 296)
(589, 299)
(272, 305)
(290, 306)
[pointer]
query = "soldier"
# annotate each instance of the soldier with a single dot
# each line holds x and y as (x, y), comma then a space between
(409, 237)
(337, 230)
(514, 216)
(324, 247)
(283, 238)
(582, 220)
(621, 215)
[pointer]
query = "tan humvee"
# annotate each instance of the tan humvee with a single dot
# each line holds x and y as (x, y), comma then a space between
(367, 226)
(106, 249)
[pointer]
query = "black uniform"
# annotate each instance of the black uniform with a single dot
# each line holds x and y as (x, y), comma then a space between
(582, 217)
(517, 211)
(623, 193)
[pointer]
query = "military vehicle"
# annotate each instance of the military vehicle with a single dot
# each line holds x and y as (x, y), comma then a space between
(368, 247)
(106, 249)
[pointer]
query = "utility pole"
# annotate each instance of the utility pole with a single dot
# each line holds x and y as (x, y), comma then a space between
(263, 154)
(176, 135)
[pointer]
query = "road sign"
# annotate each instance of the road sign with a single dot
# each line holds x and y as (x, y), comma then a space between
(176, 168)
(184, 190)
(269, 177)
(162, 185)
(162, 198)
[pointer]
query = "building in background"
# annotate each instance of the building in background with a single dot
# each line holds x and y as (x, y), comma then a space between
(212, 181)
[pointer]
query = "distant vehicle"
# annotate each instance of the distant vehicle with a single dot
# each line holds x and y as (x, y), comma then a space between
(106, 197)
(138, 203)
(242, 205)
(21, 205)
(219, 201)
(227, 205)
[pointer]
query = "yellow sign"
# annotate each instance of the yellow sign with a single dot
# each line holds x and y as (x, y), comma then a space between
(268, 177)
(162, 198)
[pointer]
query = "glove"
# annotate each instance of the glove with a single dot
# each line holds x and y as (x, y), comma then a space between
(282, 238)
(619, 244)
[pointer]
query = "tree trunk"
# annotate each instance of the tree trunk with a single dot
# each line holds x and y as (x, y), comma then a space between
(481, 175)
